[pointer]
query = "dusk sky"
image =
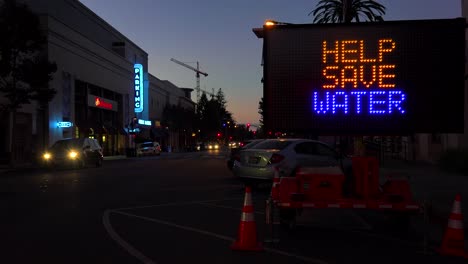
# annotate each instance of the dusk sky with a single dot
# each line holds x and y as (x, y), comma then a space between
(218, 34)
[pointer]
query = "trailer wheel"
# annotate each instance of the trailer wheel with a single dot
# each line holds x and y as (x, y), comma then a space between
(399, 221)
(288, 218)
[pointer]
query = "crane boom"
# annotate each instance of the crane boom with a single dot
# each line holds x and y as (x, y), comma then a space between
(190, 67)
(198, 72)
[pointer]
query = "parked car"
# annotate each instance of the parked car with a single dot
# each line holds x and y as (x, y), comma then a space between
(235, 151)
(288, 155)
(78, 152)
(148, 148)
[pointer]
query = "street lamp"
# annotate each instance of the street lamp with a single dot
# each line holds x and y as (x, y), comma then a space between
(270, 22)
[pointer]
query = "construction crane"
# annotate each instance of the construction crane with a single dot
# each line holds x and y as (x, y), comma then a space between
(197, 74)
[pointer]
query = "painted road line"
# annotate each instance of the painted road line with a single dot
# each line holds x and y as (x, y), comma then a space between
(361, 220)
(227, 207)
(226, 238)
(173, 204)
(202, 188)
(131, 250)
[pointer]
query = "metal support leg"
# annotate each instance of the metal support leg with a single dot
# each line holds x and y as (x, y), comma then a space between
(276, 223)
(268, 221)
(427, 206)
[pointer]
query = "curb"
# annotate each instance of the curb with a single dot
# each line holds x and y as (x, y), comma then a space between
(121, 157)
(4, 171)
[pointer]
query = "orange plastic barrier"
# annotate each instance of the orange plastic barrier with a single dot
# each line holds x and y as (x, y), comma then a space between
(366, 177)
(321, 186)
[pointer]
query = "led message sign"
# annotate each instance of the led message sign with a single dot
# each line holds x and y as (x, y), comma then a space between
(138, 84)
(393, 77)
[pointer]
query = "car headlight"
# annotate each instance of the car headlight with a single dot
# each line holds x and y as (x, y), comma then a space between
(73, 154)
(47, 156)
(216, 146)
(210, 147)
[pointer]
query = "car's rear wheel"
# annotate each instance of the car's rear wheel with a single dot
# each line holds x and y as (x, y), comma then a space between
(80, 164)
(99, 162)
(288, 218)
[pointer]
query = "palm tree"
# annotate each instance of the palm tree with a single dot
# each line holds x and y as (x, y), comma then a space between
(345, 11)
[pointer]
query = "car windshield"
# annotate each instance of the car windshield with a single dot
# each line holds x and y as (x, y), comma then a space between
(273, 144)
(251, 144)
(147, 145)
(66, 144)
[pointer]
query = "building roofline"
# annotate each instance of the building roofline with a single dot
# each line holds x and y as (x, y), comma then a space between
(104, 23)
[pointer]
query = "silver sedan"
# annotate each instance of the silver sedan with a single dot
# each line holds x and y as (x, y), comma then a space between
(288, 155)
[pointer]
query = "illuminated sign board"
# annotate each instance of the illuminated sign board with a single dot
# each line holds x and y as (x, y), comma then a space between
(393, 77)
(144, 122)
(103, 103)
(138, 84)
(98, 102)
(134, 130)
(64, 124)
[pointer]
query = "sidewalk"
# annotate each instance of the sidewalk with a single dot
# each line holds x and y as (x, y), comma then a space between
(119, 157)
(436, 187)
(31, 166)
(19, 167)
(431, 184)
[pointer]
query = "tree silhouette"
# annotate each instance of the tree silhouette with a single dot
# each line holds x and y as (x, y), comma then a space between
(211, 115)
(345, 11)
(24, 69)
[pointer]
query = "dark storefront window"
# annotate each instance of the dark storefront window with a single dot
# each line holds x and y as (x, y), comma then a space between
(81, 105)
(98, 123)
(94, 90)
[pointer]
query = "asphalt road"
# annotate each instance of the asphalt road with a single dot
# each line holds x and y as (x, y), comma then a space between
(178, 208)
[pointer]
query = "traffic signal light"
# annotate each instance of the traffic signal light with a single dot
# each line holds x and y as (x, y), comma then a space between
(219, 134)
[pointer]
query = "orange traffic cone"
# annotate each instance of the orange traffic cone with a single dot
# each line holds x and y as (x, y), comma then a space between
(275, 186)
(247, 233)
(453, 240)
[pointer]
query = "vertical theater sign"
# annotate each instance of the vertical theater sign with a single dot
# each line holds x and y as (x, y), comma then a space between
(138, 84)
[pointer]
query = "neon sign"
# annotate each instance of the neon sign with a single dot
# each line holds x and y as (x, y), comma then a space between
(138, 85)
(391, 78)
(133, 130)
(144, 122)
(99, 102)
(64, 124)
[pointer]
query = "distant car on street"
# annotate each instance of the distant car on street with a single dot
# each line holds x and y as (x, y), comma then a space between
(213, 146)
(77, 152)
(148, 149)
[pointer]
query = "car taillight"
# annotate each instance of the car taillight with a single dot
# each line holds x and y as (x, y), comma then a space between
(276, 158)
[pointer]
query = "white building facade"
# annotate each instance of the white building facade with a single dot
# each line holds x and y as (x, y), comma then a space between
(99, 92)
